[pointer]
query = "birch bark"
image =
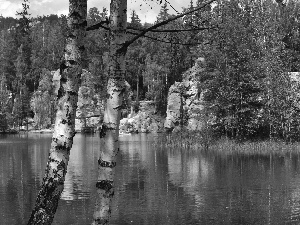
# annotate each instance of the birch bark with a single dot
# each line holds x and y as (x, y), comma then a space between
(110, 128)
(64, 130)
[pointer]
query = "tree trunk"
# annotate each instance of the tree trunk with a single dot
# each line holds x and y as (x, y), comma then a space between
(110, 126)
(62, 140)
(137, 85)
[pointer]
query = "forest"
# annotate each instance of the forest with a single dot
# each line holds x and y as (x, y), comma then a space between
(251, 49)
(243, 54)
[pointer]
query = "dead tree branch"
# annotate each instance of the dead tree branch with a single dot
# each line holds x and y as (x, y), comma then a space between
(127, 43)
(98, 25)
(168, 42)
(169, 31)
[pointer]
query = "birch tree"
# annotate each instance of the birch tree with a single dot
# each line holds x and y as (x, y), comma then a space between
(62, 140)
(115, 89)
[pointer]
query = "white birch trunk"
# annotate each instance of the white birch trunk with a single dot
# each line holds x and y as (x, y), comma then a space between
(62, 140)
(110, 127)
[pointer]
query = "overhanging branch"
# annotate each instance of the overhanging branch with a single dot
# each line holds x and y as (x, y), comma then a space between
(172, 6)
(181, 30)
(127, 43)
(98, 25)
(168, 42)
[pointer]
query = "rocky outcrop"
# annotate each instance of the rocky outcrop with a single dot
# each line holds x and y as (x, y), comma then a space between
(145, 121)
(55, 80)
(295, 84)
(90, 107)
(185, 101)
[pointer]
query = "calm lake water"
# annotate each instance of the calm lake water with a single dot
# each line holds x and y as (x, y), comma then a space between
(153, 185)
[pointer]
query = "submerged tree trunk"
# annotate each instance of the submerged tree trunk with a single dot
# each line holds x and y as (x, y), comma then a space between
(110, 127)
(64, 130)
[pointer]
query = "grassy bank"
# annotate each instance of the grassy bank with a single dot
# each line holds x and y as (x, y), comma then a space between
(193, 141)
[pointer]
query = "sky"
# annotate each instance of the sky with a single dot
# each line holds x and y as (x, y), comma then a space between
(146, 9)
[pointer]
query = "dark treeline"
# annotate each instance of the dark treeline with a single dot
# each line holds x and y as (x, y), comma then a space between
(249, 47)
(248, 85)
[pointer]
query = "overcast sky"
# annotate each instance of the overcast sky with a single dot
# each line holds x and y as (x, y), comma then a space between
(147, 10)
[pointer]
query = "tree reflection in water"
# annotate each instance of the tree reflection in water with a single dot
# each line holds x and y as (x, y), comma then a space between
(154, 185)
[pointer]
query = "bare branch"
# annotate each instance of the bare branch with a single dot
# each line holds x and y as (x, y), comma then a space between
(98, 25)
(168, 42)
(181, 30)
(127, 43)
(172, 6)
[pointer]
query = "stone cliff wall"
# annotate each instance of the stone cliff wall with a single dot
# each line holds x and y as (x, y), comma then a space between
(185, 101)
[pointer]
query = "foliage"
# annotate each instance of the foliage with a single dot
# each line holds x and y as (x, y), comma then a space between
(97, 51)
(246, 79)
(248, 50)
(5, 104)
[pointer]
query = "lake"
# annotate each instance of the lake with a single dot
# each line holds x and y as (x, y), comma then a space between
(154, 185)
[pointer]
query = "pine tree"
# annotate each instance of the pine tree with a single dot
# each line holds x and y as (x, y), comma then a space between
(135, 20)
(23, 39)
(163, 13)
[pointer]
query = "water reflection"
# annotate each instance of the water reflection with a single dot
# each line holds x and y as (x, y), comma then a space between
(23, 160)
(172, 186)
(153, 185)
(81, 164)
(20, 166)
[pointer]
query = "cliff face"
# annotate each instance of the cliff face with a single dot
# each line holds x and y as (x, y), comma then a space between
(186, 106)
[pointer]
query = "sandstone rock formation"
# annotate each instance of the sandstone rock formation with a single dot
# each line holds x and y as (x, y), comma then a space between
(145, 121)
(90, 107)
(185, 101)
